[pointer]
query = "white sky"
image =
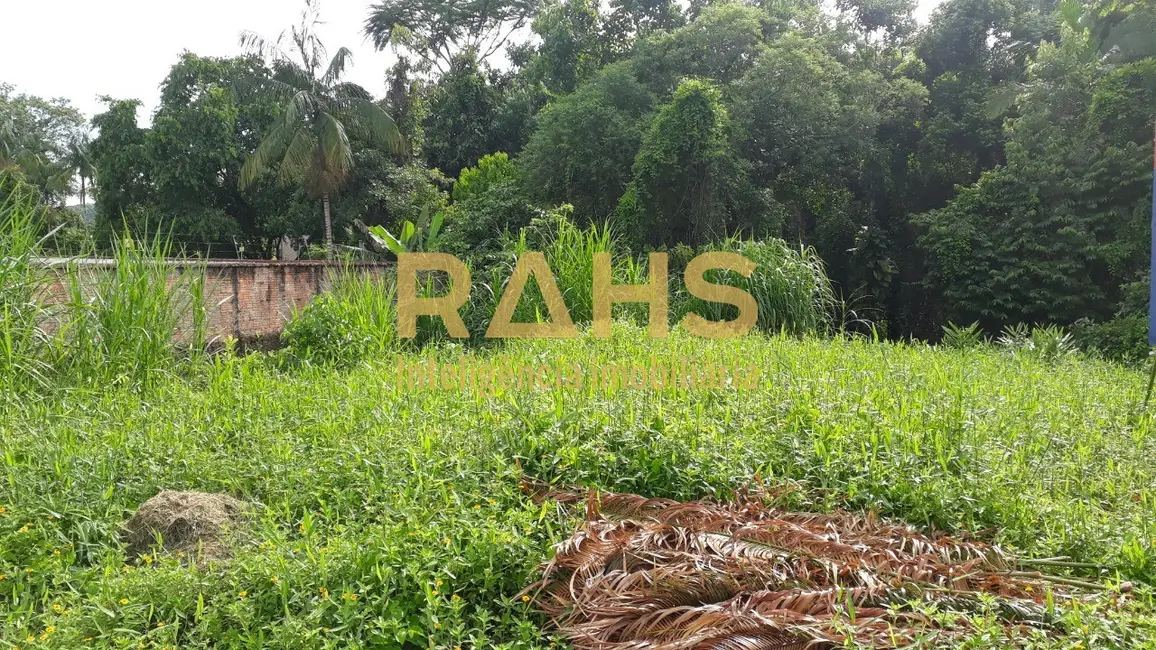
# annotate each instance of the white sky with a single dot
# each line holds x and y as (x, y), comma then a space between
(82, 49)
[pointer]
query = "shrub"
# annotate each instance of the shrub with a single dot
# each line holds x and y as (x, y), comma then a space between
(1047, 343)
(488, 202)
(1123, 339)
(494, 169)
(354, 321)
(962, 337)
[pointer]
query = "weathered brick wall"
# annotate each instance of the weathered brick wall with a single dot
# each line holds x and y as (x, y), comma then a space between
(248, 300)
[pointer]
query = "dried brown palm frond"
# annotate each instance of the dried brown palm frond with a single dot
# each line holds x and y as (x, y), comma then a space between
(657, 574)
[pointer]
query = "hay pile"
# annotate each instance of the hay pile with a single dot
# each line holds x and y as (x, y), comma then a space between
(657, 574)
(198, 525)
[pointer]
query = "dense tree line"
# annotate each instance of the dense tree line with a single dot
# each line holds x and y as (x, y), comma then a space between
(992, 165)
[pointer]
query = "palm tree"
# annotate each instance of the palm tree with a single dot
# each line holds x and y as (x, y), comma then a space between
(7, 143)
(310, 142)
(80, 163)
(52, 179)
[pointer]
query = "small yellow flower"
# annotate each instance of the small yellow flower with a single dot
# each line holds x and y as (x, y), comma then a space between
(57, 607)
(324, 594)
(274, 579)
(439, 583)
(124, 601)
(56, 552)
(446, 540)
(455, 597)
(28, 571)
(435, 592)
(30, 638)
(437, 626)
(148, 559)
(350, 597)
(50, 629)
(160, 623)
(3, 577)
(3, 510)
(525, 599)
(242, 595)
(478, 507)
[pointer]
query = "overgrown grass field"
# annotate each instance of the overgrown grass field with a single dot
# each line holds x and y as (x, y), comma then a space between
(394, 519)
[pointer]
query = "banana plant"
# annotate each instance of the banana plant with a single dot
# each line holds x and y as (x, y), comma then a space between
(425, 236)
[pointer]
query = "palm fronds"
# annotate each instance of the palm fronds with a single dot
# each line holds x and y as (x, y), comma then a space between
(657, 574)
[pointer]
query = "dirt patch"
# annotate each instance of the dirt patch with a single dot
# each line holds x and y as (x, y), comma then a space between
(196, 525)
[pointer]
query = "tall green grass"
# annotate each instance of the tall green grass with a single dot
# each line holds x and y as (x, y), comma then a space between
(76, 322)
(569, 251)
(23, 281)
(789, 284)
(123, 322)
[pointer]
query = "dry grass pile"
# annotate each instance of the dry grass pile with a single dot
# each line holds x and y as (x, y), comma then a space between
(197, 525)
(657, 574)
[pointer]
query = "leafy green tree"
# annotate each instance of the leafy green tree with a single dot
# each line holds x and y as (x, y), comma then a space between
(310, 142)
(438, 31)
(720, 45)
(35, 134)
(891, 18)
(473, 110)
(1054, 235)
(633, 20)
(123, 169)
(462, 105)
(489, 201)
(405, 104)
(382, 192)
(970, 50)
(585, 143)
(573, 47)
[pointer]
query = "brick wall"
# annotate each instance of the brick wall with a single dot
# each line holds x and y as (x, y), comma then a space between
(248, 300)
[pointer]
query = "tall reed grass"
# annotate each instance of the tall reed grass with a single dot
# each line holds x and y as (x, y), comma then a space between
(142, 315)
(75, 321)
(570, 251)
(22, 282)
(789, 284)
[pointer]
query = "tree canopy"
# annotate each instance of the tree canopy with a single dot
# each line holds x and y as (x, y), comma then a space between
(991, 165)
